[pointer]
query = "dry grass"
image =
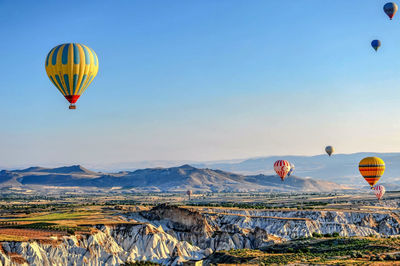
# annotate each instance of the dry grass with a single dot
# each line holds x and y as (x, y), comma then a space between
(15, 238)
(16, 234)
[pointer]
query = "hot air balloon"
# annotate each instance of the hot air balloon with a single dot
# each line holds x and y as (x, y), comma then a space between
(189, 193)
(376, 44)
(372, 168)
(390, 9)
(71, 67)
(379, 191)
(282, 167)
(329, 150)
(291, 169)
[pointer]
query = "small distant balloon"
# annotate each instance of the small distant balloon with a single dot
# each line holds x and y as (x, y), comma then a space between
(329, 150)
(390, 9)
(291, 169)
(379, 191)
(282, 168)
(371, 168)
(376, 44)
(189, 193)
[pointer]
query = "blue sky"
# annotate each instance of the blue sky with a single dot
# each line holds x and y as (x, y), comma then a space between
(200, 80)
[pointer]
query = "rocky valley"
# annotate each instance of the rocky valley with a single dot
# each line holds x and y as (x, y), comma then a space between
(170, 235)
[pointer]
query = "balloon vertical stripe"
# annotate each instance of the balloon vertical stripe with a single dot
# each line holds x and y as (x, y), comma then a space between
(54, 58)
(64, 58)
(58, 87)
(76, 54)
(87, 55)
(82, 83)
(95, 56)
(47, 59)
(66, 80)
(75, 82)
(61, 85)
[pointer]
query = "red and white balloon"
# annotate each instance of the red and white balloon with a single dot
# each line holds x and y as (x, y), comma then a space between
(379, 191)
(282, 168)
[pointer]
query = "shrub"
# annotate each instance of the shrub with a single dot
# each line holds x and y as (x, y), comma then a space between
(376, 258)
(305, 250)
(315, 234)
(356, 254)
(290, 250)
(335, 234)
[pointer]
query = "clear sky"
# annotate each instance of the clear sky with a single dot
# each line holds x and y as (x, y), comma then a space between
(200, 80)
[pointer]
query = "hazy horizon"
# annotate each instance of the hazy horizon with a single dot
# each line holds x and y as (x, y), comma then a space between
(130, 165)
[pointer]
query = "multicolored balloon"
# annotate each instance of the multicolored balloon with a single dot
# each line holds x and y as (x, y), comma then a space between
(390, 9)
(291, 170)
(282, 168)
(372, 168)
(71, 67)
(376, 44)
(379, 191)
(329, 150)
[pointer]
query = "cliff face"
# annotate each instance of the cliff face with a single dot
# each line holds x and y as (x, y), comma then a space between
(170, 235)
(222, 228)
(293, 224)
(205, 231)
(110, 245)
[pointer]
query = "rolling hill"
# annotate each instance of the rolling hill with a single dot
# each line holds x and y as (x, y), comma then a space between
(173, 179)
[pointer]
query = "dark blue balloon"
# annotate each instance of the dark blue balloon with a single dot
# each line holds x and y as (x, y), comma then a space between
(376, 44)
(390, 9)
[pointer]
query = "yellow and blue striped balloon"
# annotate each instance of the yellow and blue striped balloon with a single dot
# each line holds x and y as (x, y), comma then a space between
(71, 67)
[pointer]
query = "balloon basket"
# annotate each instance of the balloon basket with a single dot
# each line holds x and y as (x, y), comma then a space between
(72, 107)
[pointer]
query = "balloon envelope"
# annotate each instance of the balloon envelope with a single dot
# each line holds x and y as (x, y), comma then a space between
(71, 67)
(371, 168)
(390, 9)
(379, 191)
(291, 169)
(376, 44)
(329, 150)
(282, 168)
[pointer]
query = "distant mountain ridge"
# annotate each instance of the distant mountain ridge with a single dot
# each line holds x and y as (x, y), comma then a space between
(173, 179)
(342, 168)
(73, 169)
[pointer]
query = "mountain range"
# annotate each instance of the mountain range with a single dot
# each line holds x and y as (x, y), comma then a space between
(173, 179)
(340, 168)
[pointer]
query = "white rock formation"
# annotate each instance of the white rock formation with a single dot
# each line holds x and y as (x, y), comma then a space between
(171, 235)
(110, 245)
